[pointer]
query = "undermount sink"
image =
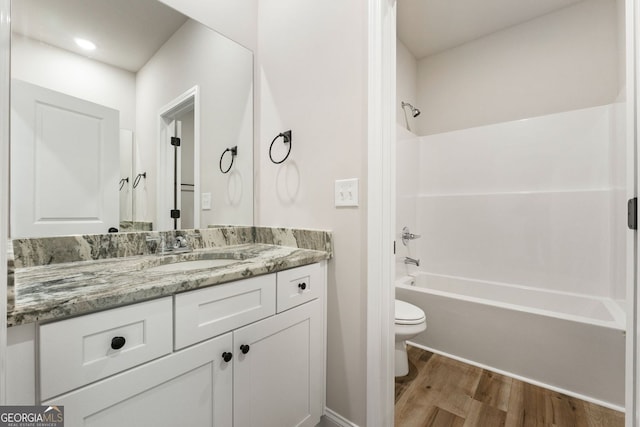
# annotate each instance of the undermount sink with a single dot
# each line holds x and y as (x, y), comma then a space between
(192, 265)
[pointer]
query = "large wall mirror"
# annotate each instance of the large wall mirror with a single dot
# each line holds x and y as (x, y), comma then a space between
(126, 115)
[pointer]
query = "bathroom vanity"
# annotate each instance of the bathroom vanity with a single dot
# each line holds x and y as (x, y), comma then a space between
(201, 347)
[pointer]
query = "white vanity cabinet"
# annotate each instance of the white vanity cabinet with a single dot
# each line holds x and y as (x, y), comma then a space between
(241, 354)
(278, 357)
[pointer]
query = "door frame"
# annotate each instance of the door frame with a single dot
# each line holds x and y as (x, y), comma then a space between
(5, 108)
(381, 212)
(381, 208)
(183, 103)
(632, 386)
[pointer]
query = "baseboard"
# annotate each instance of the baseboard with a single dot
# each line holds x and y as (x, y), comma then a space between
(332, 419)
(521, 378)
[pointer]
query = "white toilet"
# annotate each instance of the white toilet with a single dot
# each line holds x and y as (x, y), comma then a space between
(410, 321)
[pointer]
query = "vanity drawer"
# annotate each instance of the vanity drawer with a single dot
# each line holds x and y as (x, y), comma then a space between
(299, 285)
(206, 313)
(84, 349)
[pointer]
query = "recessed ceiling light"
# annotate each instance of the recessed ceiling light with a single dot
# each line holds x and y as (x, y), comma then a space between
(85, 44)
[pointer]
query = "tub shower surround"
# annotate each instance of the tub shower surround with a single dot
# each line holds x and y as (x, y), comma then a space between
(56, 277)
(512, 276)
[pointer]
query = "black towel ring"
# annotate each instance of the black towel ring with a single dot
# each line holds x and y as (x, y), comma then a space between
(286, 136)
(136, 182)
(234, 153)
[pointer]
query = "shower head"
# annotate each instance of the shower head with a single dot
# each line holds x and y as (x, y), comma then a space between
(414, 111)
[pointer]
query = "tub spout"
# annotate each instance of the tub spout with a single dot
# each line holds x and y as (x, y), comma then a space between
(415, 262)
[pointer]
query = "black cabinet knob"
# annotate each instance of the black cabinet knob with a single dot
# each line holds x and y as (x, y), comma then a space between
(244, 348)
(226, 356)
(302, 286)
(117, 343)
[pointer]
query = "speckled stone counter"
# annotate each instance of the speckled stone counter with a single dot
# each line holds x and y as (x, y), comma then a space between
(66, 276)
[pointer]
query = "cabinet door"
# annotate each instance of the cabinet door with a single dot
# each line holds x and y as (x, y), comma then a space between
(279, 381)
(191, 388)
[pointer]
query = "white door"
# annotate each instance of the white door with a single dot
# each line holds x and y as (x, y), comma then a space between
(64, 164)
(278, 382)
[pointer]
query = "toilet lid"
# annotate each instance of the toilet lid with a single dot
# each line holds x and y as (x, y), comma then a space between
(408, 314)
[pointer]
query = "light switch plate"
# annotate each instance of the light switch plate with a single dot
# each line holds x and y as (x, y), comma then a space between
(205, 201)
(346, 192)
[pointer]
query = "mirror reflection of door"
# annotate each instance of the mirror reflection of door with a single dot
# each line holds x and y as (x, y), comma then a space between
(65, 168)
(180, 183)
(186, 189)
(125, 186)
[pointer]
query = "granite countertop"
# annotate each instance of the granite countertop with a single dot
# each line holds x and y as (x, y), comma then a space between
(55, 291)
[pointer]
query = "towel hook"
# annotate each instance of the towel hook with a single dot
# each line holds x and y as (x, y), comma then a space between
(286, 136)
(123, 181)
(234, 153)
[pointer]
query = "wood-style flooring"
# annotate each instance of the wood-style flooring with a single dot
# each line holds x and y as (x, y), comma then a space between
(442, 392)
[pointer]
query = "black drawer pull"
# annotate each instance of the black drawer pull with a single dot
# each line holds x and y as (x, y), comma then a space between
(244, 348)
(118, 342)
(302, 286)
(227, 356)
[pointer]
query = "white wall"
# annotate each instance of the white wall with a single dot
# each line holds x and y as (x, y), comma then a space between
(406, 84)
(223, 72)
(530, 202)
(312, 74)
(562, 61)
(407, 194)
(74, 75)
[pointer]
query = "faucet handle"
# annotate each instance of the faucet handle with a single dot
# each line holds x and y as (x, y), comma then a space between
(408, 235)
(158, 248)
(180, 242)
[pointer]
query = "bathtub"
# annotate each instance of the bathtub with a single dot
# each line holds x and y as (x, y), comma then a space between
(570, 343)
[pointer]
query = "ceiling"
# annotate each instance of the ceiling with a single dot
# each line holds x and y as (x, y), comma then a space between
(427, 27)
(127, 33)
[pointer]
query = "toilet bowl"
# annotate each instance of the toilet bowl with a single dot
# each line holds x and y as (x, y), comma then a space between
(409, 322)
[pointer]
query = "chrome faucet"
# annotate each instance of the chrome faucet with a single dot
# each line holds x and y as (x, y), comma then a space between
(408, 260)
(408, 235)
(180, 245)
(165, 245)
(180, 242)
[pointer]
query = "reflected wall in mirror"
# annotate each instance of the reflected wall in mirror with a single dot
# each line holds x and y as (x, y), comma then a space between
(91, 147)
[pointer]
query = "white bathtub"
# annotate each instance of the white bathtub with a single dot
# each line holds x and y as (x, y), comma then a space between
(571, 343)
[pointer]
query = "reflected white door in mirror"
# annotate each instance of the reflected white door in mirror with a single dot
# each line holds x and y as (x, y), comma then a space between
(65, 164)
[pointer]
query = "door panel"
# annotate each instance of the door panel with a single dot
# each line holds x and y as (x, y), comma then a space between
(65, 164)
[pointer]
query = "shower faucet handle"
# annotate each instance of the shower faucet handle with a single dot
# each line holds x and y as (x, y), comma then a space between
(408, 235)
